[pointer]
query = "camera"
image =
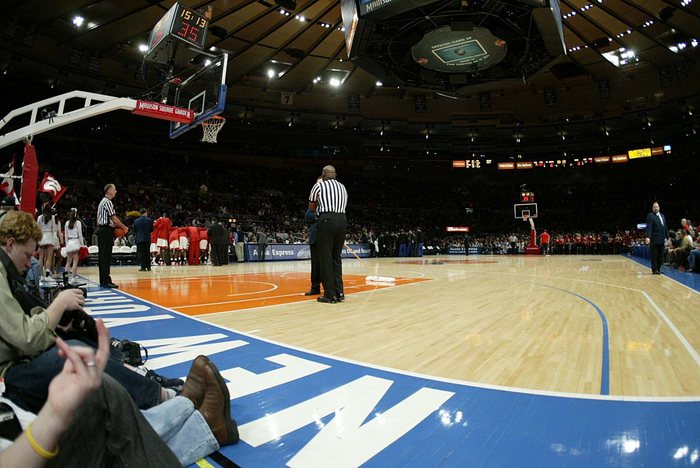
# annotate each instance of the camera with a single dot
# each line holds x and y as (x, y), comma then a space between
(132, 352)
(49, 288)
(82, 324)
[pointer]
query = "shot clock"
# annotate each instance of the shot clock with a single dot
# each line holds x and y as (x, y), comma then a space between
(182, 23)
(527, 197)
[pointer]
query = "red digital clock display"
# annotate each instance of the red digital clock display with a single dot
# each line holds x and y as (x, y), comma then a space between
(181, 23)
(527, 197)
(190, 26)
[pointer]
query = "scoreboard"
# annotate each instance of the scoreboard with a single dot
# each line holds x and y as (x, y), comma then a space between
(181, 23)
(527, 197)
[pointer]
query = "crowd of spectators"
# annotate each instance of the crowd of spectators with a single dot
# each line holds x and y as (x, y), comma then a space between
(583, 214)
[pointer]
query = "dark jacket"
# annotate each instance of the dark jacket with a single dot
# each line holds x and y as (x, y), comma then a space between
(217, 234)
(657, 232)
(143, 227)
(311, 218)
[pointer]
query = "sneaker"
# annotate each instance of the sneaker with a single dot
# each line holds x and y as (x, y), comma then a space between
(165, 382)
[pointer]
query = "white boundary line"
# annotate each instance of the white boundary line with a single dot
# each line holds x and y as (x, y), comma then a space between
(674, 329)
(664, 276)
(211, 314)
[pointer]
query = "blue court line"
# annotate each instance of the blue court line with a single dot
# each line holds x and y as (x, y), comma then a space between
(605, 373)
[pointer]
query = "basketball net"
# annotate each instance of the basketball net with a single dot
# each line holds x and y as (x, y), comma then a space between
(211, 128)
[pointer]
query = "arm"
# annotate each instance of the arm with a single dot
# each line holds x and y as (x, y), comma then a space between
(29, 335)
(81, 375)
(313, 197)
(68, 299)
(59, 233)
(311, 215)
(79, 226)
(118, 223)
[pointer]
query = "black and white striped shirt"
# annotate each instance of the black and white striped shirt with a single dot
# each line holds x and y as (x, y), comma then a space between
(105, 211)
(330, 195)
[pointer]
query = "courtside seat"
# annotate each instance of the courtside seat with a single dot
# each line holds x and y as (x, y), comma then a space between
(126, 255)
(93, 252)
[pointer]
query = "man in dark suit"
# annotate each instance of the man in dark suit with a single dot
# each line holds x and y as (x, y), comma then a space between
(657, 235)
(218, 241)
(311, 218)
(143, 227)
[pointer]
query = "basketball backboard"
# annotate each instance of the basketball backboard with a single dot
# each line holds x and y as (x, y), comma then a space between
(520, 209)
(204, 92)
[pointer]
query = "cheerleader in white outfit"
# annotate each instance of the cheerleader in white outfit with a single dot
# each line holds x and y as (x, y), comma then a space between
(49, 231)
(74, 240)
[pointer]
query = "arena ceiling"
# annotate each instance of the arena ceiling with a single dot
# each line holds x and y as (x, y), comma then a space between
(629, 63)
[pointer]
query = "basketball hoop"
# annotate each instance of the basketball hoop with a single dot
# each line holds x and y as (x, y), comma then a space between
(211, 128)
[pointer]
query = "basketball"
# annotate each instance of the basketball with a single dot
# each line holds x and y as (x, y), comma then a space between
(119, 232)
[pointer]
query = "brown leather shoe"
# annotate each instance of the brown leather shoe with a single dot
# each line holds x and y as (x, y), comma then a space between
(195, 385)
(216, 407)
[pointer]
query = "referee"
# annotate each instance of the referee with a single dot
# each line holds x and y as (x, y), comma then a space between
(107, 220)
(329, 198)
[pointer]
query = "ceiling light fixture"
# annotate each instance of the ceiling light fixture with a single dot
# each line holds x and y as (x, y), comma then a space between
(78, 21)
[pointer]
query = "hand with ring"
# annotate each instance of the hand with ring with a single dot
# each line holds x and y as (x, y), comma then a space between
(81, 374)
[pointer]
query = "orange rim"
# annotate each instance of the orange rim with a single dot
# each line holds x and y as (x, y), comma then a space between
(216, 120)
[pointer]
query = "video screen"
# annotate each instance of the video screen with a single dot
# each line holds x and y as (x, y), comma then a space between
(459, 52)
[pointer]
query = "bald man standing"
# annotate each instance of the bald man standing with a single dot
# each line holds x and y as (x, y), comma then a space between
(329, 198)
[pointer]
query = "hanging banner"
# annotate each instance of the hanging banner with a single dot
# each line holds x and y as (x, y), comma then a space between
(30, 170)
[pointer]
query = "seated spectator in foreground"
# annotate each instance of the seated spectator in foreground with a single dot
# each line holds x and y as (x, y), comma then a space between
(694, 257)
(84, 407)
(679, 255)
(29, 359)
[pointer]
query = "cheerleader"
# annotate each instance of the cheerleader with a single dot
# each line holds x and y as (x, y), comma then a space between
(49, 233)
(74, 240)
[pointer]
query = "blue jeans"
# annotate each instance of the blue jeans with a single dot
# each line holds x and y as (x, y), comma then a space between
(183, 429)
(27, 383)
(108, 430)
(693, 260)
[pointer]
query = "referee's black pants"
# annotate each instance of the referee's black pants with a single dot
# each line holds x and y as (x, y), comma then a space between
(329, 240)
(105, 242)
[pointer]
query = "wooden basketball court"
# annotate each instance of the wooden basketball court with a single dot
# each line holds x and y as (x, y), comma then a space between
(598, 325)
